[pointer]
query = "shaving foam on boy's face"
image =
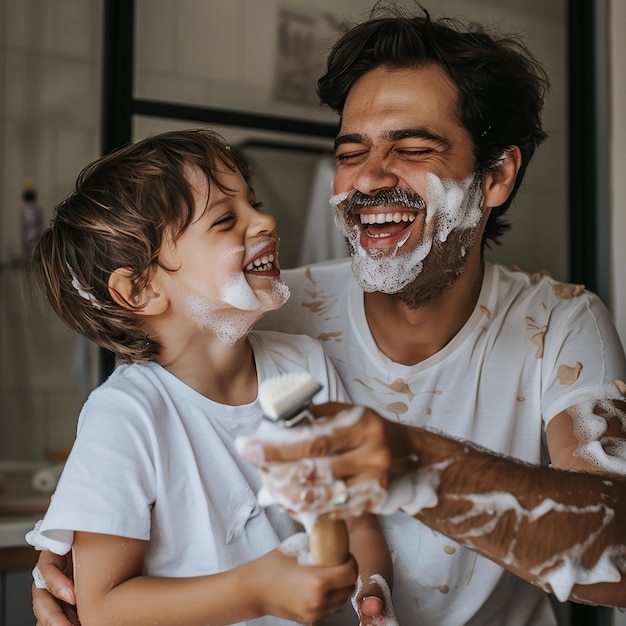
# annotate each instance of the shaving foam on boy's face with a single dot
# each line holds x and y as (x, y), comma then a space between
(450, 205)
(237, 305)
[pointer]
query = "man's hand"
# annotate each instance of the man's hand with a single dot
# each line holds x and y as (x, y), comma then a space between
(372, 603)
(356, 450)
(54, 606)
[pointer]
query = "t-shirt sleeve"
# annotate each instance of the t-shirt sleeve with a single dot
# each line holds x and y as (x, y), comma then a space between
(108, 482)
(583, 359)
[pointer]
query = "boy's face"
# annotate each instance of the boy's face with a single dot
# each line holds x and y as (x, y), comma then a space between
(406, 179)
(222, 273)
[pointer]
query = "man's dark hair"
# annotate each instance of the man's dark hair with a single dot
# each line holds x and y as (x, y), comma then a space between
(501, 84)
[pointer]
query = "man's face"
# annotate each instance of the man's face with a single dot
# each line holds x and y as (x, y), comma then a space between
(408, 195)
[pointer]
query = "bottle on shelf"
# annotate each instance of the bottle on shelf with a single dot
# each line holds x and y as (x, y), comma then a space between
(32, 217)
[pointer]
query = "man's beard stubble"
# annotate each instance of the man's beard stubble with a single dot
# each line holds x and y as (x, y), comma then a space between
(420, 275)
(441, 269)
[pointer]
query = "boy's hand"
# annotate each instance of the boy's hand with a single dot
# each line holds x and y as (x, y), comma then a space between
(287, 587)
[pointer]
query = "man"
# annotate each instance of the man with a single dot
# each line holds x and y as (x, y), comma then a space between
(437, 129)
(438, 125)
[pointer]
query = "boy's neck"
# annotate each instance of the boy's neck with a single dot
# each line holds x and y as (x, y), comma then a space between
(223, 373)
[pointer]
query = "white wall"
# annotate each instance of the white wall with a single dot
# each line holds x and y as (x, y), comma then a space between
(617, 21)
(50, 57)
(618, 160)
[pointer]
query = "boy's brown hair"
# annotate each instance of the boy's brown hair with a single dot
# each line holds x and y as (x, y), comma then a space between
(122, 208)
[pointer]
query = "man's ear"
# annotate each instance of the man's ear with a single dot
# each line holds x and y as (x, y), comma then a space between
(498, 183)
(149, 301)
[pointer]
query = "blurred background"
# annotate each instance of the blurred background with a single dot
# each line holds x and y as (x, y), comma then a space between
(80, 77)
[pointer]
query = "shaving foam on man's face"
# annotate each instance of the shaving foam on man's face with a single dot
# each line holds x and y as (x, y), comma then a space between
(449, 206)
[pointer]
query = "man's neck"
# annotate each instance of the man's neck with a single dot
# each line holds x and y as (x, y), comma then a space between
(409, 336)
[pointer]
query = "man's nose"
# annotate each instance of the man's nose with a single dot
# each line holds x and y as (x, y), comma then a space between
(375, 174)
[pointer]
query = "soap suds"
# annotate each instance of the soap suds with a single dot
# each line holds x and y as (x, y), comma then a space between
(414, 491)
(451, 205)
(232, 312)
(564, 569)
(388, 616)
(305, 488)
(297, 546)
(605, 454)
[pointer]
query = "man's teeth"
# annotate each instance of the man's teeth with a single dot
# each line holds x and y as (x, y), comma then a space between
(383, 218)
(263, 263)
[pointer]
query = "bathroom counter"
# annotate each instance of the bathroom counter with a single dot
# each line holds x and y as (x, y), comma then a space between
(15, 553)
(13, 529)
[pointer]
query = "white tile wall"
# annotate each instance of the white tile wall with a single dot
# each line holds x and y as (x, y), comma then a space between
(50, 115)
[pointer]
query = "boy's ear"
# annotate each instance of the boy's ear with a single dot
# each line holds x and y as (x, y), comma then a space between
(499, 182)
(149, 301)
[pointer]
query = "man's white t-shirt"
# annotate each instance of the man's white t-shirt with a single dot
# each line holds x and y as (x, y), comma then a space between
(531, 348)
(155, 460)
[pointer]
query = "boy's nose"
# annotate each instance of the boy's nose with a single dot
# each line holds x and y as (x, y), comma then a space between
(262, 223)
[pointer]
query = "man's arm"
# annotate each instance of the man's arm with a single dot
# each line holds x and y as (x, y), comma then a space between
(561, 530)
(54, 604)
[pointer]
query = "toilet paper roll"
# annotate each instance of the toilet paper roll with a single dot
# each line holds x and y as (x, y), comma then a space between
(46, 479)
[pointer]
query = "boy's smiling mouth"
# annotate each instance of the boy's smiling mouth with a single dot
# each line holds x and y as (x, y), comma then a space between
(262, 258)
(262, 263)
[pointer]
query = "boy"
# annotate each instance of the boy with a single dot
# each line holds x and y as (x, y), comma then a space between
(162, 256)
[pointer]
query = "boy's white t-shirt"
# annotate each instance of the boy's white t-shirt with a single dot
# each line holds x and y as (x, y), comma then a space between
(531, 348)
(155, 460)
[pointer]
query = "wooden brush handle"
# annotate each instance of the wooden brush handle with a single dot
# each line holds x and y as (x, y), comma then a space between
(329, 543)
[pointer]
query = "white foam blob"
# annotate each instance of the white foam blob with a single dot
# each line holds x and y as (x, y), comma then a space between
(297, 546)
(388, 616)
(606, 454)
(235, 290)
(415, 491)
(339, 198)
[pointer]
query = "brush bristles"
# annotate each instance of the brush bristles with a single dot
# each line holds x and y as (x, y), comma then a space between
(279, 396)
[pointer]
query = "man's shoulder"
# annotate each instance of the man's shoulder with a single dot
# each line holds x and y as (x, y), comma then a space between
(280, 342)
(319, 296)
(335, 271)
(539, 286)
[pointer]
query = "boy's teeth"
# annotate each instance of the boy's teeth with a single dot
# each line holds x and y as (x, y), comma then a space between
(265, 262)
(383, 218)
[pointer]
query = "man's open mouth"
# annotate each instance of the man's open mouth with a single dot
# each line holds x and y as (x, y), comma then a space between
(390, 224)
